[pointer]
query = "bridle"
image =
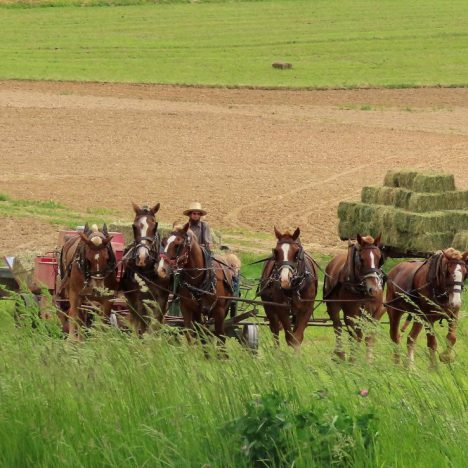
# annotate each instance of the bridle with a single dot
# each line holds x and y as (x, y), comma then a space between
(297, 277)
(182, 252)
(376, 273)
(456, 286)
(83, 263)
(153, 246)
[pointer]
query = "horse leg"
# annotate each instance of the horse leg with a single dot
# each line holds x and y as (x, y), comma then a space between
(302, 319)
(274, 323)
(352, 313)
(285, 319)
(370, 338)
(333, 309)
(134, 302)
(219, 317)
(187, 310)
(448, 354)
(411, 340)
(74, 318)
(432, 348)
(394, 318)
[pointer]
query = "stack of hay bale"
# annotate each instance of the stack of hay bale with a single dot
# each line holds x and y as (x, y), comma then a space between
(417, 213)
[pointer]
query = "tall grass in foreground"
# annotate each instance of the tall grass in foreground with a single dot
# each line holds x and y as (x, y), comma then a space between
(114, 400)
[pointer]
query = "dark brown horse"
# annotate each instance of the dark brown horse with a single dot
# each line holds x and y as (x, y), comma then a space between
(88, 273)
(202, 279)
(353, 283)
(145, 292)
(430, 290)
(289, 279)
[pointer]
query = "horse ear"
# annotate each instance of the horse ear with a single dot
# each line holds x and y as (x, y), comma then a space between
(155, 208)
(377, 239)
(186, 227)
(86, 229)
(104, 229)
(278, 234)
(136, 208)
(107, 240)
(296, 234)
(359, 239)
(83, 236)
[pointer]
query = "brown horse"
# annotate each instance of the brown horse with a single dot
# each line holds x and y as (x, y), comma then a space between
(88, 268)
(353, 282)
(203, 281)
(289, 279)
(141, 285)
(430, 290)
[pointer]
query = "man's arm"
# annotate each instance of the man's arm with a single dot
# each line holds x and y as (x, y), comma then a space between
(207, 234)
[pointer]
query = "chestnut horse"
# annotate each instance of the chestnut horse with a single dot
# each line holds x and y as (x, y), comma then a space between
(145, 292)
(353, 282)
(203, 281)
(87, 268)
(430, 290)
(289, 279)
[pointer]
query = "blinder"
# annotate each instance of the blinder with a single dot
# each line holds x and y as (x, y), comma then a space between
(180, 258)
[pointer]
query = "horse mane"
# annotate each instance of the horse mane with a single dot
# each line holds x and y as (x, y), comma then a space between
(453, 254)
(144, 210)
(369, 240)
(288, 234)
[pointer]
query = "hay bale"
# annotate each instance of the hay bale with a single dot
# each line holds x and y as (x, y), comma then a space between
(282, 65)
(450, 200)
(400, 228)
(415, 212)
(397, 197)
(433, 183)
(402, 178)
(420, 182)
(415, 201)
(460, 241)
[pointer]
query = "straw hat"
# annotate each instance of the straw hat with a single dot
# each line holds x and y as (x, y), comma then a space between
(195, 206)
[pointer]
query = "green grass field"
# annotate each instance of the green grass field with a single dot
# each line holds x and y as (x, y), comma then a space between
(346, 43)
(117, 401)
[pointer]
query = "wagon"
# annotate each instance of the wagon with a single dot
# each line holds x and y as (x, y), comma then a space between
(43, 283)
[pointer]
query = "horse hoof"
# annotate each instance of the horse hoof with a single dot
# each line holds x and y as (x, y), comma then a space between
(447, 356)
(339, 356)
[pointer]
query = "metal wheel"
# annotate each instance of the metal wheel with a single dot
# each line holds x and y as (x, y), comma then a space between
(250, 336)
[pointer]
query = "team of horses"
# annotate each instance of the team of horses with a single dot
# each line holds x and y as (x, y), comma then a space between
(427, 290)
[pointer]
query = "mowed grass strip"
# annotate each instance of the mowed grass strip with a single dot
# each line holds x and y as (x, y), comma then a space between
(330, 43)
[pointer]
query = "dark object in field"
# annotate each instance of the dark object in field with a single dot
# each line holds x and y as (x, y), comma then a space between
(282, 65)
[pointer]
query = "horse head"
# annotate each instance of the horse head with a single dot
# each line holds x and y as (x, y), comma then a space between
(452, 275)
(286, 255)
(368, 263)
(97, 258)
(145, 229)
(176, 251)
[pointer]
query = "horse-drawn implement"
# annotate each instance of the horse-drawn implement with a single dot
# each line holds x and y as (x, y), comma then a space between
(179, 284)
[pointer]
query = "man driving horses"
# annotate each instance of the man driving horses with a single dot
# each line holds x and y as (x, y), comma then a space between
(200, 229)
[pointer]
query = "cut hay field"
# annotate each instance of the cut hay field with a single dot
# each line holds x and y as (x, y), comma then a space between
(338, 43)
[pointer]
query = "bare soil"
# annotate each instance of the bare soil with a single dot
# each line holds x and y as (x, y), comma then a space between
(253, 158)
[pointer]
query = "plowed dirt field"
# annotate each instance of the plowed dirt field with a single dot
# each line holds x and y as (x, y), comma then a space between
(253, 158)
